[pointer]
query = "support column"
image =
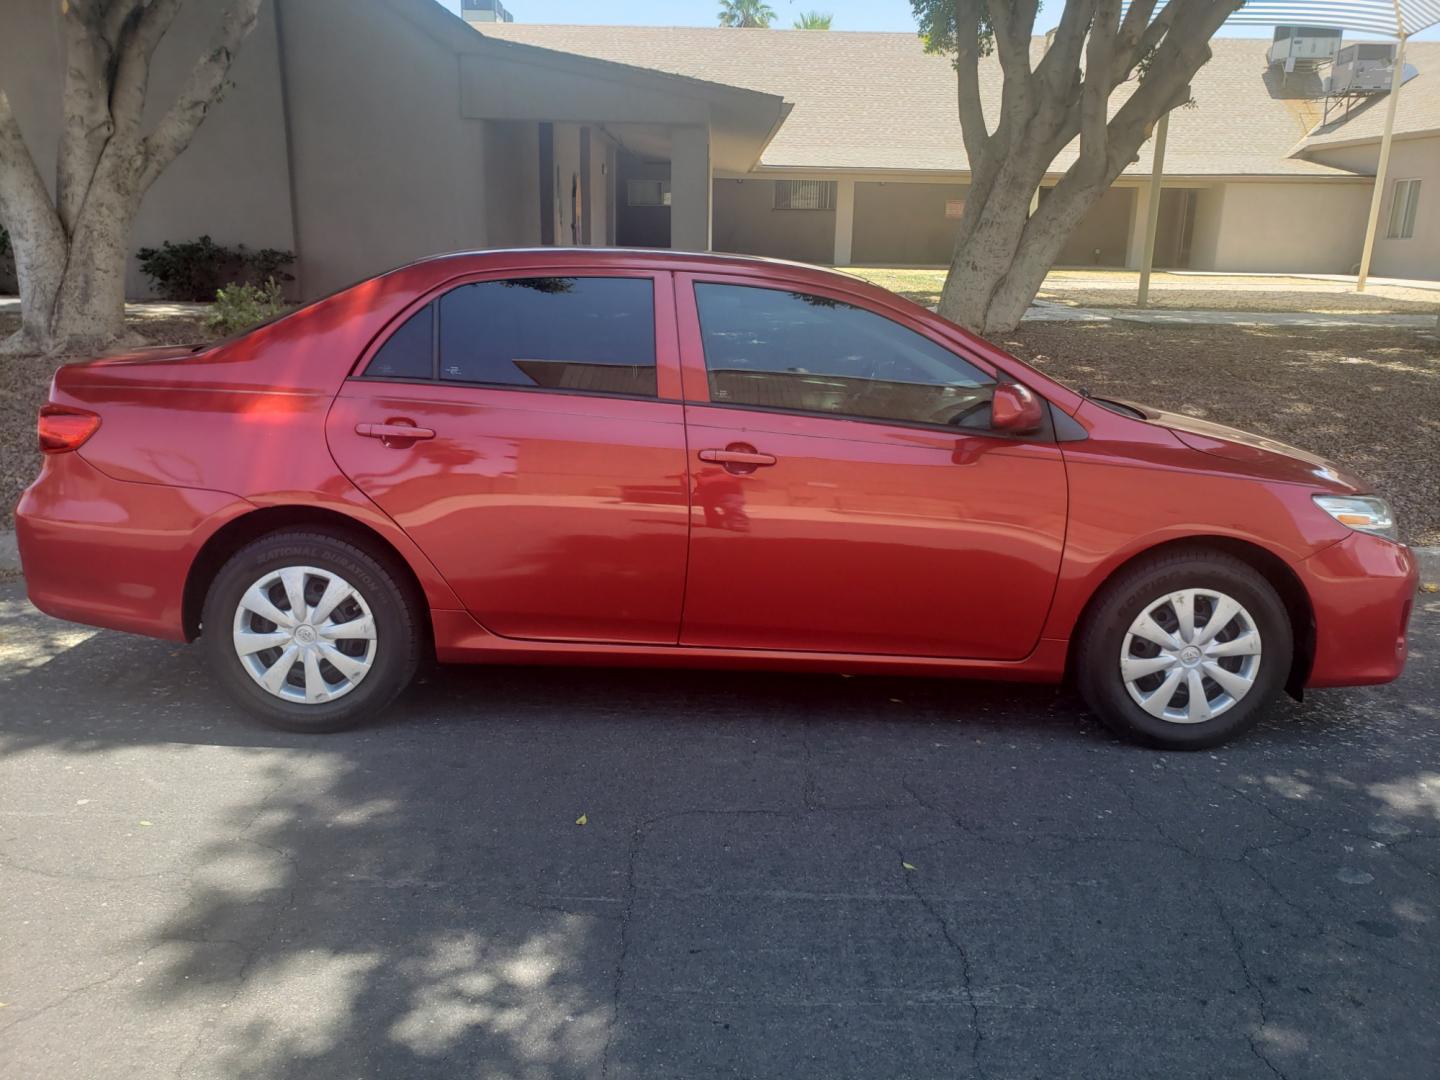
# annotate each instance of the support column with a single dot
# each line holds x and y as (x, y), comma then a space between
(844, 221)
(1382, 166)
(690, 184)
(1152, 210)
(1140, 212)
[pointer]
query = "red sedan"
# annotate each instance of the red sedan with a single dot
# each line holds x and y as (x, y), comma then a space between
(621, 457)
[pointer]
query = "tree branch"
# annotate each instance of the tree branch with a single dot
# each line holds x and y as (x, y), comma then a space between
(25, 211)
(202, 90)
(1013, 30)
(1096, 88)
(139, 37)
(1061, 61)
(973, 129)
(87, 124)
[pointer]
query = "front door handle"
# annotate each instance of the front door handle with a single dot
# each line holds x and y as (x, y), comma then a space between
(397, 432)
(738, 458)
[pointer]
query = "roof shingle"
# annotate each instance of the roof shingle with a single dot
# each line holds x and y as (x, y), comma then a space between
(878, 101)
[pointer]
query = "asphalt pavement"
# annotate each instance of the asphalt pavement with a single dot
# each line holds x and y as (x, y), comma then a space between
(538, 873)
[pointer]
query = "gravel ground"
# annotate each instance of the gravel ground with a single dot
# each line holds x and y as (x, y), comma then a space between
(1368, 398)
(1338, 300)
(1116, 289)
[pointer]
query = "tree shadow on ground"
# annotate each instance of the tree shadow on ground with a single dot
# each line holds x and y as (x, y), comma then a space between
(777, 876)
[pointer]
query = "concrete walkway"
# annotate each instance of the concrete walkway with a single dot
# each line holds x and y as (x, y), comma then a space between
(1048, 311)
(149, 309)
(1040, 311)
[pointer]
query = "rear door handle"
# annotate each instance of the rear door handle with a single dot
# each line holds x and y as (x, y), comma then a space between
(386, 432)
(739, 458)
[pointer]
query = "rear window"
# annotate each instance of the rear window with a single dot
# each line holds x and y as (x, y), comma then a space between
(580, 334)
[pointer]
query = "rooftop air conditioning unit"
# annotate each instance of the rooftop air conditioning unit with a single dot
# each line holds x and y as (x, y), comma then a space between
(1303, 46)
(1363, 68)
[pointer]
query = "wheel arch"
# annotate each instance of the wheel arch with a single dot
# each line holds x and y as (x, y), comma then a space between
(1272, 567)
(240, 531)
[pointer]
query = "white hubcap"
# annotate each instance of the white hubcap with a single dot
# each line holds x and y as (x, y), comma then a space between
(1190, 655)
(304, 634)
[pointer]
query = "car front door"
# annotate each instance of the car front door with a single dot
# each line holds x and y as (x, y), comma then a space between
(847, 495)
(546, 476)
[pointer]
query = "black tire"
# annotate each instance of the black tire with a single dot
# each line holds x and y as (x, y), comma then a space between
(398, 629)
(1123, 598)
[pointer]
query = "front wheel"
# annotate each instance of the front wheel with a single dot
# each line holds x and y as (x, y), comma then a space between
(310, 632)
(1184, 650)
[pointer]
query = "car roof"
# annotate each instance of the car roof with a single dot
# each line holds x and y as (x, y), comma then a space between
(636, 256)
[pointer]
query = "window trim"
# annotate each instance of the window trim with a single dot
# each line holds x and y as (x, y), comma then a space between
(695, 374)
(1396, 230)
(662, 192)
(830, 189)
(667, 374)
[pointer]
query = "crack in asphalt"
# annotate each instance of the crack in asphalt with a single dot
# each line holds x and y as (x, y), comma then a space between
(966, 975)
(1237, 944)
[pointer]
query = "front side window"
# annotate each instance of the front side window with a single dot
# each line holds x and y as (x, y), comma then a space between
(769, 348)
(581, 334)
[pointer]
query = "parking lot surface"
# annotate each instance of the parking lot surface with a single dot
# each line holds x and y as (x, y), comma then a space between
(551, 873)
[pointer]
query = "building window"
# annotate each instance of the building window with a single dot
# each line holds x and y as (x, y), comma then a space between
(646, 193)
(1403, 203)
(804, 194)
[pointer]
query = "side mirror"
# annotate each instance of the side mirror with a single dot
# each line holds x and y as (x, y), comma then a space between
(1016, 410)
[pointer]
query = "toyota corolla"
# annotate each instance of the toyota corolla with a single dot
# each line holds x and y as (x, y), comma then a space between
(653, 458)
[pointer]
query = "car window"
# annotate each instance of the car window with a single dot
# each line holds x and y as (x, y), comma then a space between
(410, 351)
(591, 334)
(777, 349)
(563, 333)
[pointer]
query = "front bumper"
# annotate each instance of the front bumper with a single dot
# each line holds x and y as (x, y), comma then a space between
(112, 553)
(1362, 591)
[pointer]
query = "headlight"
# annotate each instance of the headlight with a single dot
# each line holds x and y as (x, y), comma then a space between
(1363, 513)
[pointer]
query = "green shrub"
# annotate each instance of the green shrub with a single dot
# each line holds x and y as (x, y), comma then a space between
(239, 307)
(196, 269)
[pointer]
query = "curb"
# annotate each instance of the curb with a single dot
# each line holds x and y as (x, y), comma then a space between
(10, 557)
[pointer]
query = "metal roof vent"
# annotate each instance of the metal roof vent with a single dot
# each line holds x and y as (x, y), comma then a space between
(1304, 47)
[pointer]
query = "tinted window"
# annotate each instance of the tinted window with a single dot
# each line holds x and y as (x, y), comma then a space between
(410, 352)
(789, 350)
(563, 333)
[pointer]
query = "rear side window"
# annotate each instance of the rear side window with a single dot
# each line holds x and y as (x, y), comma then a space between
(410, 352)
(580, 334)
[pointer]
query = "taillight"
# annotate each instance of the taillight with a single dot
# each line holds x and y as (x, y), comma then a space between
(62, 428)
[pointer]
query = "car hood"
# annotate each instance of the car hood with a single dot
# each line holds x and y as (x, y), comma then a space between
(1265, 458)
(1272, 459)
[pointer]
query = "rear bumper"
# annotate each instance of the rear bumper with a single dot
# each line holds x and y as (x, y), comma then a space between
(1362, 590)
(112, 553)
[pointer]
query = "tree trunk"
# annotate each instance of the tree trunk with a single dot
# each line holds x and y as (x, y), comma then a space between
(70, 254)
(1049, 100)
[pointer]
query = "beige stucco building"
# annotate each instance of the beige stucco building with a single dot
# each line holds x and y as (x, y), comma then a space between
(364, 133)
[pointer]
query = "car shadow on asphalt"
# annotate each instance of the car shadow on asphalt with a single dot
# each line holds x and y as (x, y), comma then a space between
(578, 872)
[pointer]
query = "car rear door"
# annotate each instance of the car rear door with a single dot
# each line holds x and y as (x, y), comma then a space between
(847, 495)
(526, 432)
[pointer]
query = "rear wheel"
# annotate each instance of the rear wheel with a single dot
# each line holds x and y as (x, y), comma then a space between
(1184, 650)
(310, 632)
